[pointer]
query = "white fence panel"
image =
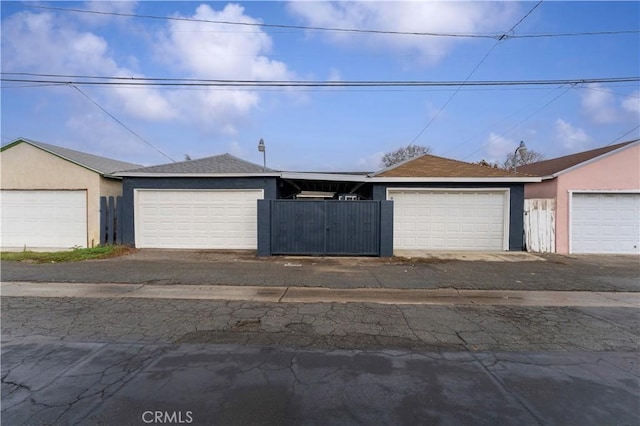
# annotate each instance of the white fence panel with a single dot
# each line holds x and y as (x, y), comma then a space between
(540, 225)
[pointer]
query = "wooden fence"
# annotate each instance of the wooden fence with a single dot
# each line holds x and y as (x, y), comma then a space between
(540, 225)
(110, 225)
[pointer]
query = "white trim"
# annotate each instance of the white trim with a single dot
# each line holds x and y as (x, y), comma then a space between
(570, 227)
(342, 177)
(604, 191)
(589, 191)
(444, 179)
(506, 211)
(136, 210)
(174, 175)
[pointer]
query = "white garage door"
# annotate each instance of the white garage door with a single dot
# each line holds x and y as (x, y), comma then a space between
(44, 219)
(449, 220)
(605, 223)
(208, 219)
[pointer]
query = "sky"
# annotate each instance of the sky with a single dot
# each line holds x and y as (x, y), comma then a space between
(337, 128)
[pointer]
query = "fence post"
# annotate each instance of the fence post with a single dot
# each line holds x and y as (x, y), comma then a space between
(110, 212)
(103, 220)
(118, 220)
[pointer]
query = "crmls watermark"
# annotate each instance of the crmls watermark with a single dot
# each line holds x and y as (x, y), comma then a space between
(167, 417)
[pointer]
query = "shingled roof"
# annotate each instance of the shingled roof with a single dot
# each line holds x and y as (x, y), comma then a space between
(101, 165)
(428, 165)
(217, 164)
(555, 165)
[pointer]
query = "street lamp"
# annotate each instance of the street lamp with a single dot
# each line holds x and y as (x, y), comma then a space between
(263, 150)
(522, 149)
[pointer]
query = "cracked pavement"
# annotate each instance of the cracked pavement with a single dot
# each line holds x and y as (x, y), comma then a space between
(109, 360)
(322, 325)
(120, 384)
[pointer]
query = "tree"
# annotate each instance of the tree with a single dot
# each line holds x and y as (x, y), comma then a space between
(527, 157)
(404, 153)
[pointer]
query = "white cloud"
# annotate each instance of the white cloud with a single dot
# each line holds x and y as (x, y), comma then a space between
(123, 7)
(40, 42)
(414, 16)
(216, 51)
(599, 105)
(571, 138)
(498, 147)
(50, 43)
(632, 102)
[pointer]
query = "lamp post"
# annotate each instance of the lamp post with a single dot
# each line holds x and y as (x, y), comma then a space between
(263, 150)
(522, 149)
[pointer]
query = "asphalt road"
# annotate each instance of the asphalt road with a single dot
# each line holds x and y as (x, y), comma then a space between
(132, 384)
(116, 360)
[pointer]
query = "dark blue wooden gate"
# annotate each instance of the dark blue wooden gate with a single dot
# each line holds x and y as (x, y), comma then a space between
(324, 227)
(110, 220)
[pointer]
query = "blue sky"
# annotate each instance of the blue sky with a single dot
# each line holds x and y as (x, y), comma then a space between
(322, 129)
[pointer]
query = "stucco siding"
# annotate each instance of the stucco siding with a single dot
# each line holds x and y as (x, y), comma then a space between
(545, 189)
(110, 187)
(616, 172)
(25, 167)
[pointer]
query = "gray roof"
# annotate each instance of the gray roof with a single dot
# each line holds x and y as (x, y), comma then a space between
(224, 163)
(101, 165)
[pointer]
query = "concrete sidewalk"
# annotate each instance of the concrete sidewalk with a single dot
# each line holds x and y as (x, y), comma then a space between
(271, 294)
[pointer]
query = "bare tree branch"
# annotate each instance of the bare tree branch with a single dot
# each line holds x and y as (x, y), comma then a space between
(404, 153)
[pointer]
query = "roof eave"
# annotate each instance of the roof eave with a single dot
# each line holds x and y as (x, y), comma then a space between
(147, 174)
(594, 159)
(515, 179)
(28, 142)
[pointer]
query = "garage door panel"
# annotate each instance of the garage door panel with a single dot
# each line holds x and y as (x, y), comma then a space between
(605, 223)
(218, 219)
(44, 219)
(449, 220)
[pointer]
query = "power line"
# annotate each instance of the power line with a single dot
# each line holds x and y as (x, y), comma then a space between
(186, 82)
(503, 121)
(609, 92)
(453, 95)
(258, 24)
(523, 120)
(524, 17)
(623, 135)
(120, 122)
(496, 36)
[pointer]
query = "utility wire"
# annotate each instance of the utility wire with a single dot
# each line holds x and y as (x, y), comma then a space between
(609, 92)
(453, 95)
(182, 82)
(495, 124)
(500, 36)
(523, 120)
(258, 24)
(120, 122)
(623, 135)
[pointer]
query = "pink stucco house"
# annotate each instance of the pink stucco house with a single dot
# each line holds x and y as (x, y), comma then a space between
(597, 198)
